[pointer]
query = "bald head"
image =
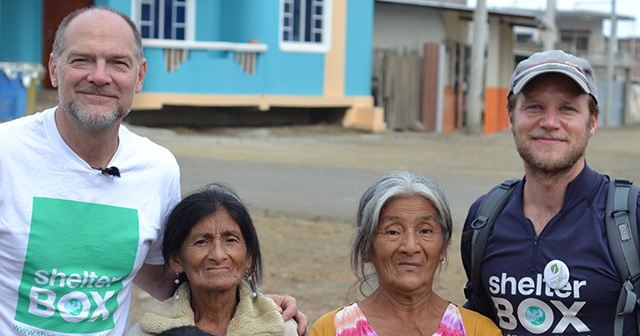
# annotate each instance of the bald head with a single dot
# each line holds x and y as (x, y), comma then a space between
(98, 15)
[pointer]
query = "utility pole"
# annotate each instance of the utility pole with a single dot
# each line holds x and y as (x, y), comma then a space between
(475, 101)
(549, 23)
(611, 58)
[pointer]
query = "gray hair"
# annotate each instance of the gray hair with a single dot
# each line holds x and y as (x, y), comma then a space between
(60, 43)
(396, 185)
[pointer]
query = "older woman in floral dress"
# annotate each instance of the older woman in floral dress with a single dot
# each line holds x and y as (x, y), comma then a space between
(404, 228)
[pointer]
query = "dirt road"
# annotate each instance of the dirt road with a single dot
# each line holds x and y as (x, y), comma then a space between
(308, 257)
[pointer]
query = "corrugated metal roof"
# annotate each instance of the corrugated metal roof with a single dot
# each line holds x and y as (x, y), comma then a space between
(516, 14)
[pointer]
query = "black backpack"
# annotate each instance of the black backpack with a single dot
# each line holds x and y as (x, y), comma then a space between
(622, 236)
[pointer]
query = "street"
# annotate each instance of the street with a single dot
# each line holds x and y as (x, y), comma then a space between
(320, 172)
(302, 185)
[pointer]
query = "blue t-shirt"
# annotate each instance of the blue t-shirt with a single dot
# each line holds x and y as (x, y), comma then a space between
(515, 259)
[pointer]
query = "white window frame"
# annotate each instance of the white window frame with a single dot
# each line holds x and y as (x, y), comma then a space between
(189, 25)
(189, 42)
(302, 46)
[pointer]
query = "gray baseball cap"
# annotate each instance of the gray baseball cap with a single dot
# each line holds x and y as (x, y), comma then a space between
(558, 61)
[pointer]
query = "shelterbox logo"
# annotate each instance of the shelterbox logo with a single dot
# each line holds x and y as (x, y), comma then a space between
(77, 256)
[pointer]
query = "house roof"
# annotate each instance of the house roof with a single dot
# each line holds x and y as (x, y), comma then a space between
(513, 16)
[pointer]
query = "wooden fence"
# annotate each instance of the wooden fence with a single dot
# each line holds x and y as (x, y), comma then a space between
(396, 86)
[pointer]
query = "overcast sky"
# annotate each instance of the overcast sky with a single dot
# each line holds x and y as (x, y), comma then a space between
(623, 7)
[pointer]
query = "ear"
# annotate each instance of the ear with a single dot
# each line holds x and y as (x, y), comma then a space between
(249, 263)
(142, 72)
(443, 251)
(510, 118)
(176, 264)
(52, 70)
(594, 123)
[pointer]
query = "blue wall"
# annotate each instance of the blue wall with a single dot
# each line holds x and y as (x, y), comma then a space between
(288, 73)
(216, 72)
(208, 20)
(21, 30)
(359, 48)
(123, 6)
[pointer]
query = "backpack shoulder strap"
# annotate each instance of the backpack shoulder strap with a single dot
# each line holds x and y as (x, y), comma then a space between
(622, 233)
(490, 207)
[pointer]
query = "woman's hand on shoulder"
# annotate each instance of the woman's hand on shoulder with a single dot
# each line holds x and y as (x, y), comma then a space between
(288, 307)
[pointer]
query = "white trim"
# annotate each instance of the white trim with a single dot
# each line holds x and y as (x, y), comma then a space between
(135, 12)
(190, 18)
(203, 45)
(440, 88)
(160, 21)
(304, 47)
(309, 47)
(190, 21)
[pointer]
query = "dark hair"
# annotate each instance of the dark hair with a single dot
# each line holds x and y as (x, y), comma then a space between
(200, 204)
(185, 331)
(60, 42)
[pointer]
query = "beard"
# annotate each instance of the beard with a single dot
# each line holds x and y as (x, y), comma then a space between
(95, 120)
(542, 160)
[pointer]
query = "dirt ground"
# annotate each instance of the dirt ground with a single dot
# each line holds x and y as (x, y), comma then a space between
(322, 280)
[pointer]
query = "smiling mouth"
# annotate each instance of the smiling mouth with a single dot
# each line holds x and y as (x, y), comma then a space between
(214, 269)
(409, 265)
(548, 139)
(98, 94)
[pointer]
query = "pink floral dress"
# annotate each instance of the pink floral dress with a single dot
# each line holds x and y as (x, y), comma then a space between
(350, 321)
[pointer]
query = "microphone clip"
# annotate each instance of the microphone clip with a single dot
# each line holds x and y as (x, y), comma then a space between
(113, 171)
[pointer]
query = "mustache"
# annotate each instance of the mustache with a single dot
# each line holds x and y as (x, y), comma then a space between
(549, 135)
(92, 89)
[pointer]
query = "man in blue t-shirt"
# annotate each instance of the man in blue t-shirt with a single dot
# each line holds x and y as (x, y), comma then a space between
(547, 267)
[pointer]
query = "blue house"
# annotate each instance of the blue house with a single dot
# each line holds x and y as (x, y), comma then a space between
(215, 56)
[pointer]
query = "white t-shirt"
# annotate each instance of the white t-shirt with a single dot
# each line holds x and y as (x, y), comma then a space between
(72, 238)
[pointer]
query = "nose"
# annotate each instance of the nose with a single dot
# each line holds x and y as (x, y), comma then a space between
(550, 119)
(99, 74)
(410, 244)
(217, 252)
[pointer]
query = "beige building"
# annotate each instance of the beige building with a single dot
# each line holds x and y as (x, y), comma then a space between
(439, 34)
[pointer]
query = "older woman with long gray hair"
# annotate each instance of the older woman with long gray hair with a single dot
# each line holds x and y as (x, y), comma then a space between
(403, 231)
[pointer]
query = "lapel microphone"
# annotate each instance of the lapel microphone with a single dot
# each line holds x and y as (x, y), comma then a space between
(113, 171)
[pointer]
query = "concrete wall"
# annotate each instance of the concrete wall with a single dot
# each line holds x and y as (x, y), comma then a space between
(456, 29)
(403, 26)
(592, 25)
(498, 70)
(633, 101)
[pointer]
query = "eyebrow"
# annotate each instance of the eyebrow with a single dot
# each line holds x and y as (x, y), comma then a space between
(81, 53)
(232, 233)
(389, 218)
(225, 233)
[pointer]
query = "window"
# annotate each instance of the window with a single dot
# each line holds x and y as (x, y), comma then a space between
(577, 40)
(163, 19)
(305, 25)
(524, 37)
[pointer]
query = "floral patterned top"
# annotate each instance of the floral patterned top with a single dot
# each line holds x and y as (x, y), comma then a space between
(350, 321)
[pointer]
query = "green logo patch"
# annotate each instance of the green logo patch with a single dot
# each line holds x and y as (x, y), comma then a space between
(535, 315)
(77, 256)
